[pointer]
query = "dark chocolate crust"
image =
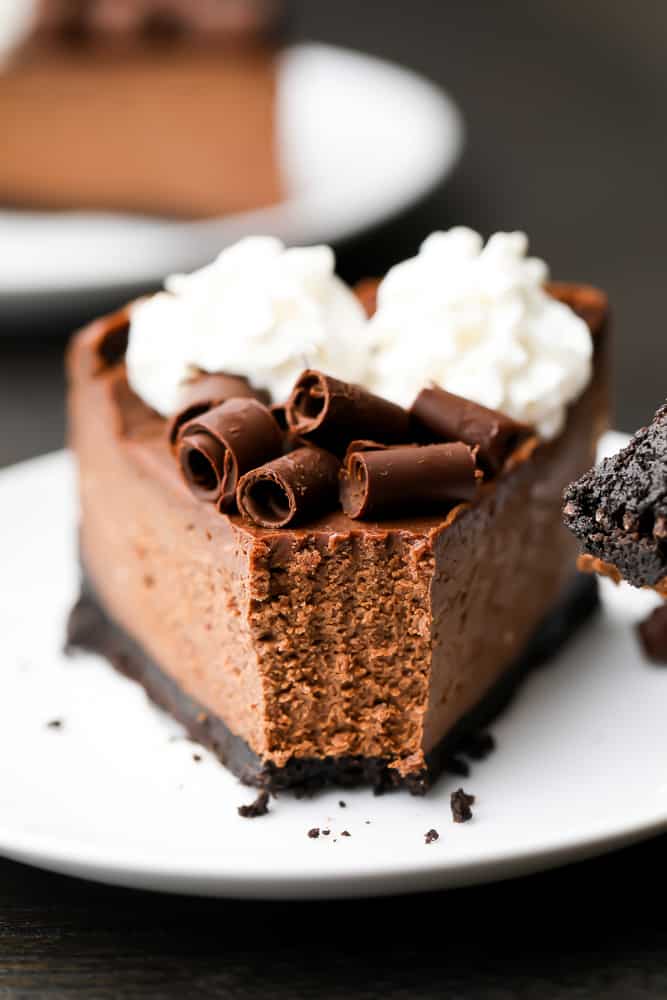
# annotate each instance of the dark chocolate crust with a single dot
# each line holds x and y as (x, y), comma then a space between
(90, 628)
(618, 510)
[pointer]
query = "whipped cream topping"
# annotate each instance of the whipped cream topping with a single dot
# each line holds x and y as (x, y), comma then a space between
(476, 320)
(260, 311)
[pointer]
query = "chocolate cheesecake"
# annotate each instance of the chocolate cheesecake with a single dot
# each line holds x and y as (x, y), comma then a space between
(149, 106)
(337, 599)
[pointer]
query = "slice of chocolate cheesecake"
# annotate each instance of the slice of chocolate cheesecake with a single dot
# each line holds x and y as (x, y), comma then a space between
(301, 643)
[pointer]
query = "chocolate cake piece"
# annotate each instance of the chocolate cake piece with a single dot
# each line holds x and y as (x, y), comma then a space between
(165, 107)
(331, 649)
(618, 510)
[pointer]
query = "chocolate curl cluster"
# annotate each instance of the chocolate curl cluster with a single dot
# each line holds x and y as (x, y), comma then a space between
(400, 480)
(330, 413)
(293, 488)
(202, 394)
(453, 418)
(215, 449)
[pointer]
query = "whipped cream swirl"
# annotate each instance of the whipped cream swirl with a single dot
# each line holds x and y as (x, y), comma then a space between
(260, 311)
(477, 321)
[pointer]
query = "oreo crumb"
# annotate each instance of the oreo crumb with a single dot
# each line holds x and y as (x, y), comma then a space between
(55, 724)
(431, 836)
(259, 807)
(458, 766)
(460, 803)
(477, 746)
(325, 833)
(346, 833)
(342, 804)
(314, 833)
(367, 822)
(197, 758)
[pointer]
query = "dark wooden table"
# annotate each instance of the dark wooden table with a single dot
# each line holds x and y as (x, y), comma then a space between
(564, 102)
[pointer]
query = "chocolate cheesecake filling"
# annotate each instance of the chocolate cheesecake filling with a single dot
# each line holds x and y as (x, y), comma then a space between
(331, 643)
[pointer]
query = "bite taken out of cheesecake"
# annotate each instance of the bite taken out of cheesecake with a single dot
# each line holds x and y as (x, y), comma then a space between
(330, 543)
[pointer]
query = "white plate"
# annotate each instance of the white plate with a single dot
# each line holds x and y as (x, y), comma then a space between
(360, 140)
(115, 794)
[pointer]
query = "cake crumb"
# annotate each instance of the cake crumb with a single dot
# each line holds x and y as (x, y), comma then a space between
(345, 833)
(259, 807)
(342, 804)
(197, 758)
(430, 836)
(314, 833)
(54, 724)
(460, 803)
(325, 833)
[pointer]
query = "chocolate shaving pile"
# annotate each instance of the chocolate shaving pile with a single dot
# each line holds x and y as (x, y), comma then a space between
(281, 465)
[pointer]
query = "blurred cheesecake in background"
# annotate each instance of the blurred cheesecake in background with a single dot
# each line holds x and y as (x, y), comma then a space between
(162, 107)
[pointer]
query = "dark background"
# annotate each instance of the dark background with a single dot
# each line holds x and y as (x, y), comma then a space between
(564, 103)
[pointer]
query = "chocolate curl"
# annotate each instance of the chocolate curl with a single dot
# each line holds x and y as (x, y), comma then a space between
(329, 412)
(454, 418)
(202, 394)
(216, 448)
(408, 479)
(290, 489)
